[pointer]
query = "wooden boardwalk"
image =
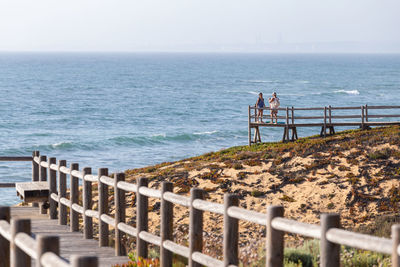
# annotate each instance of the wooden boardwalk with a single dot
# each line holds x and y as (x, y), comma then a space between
(71, 243)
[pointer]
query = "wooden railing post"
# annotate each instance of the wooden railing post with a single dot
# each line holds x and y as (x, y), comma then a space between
(4, 243)
(362, 117)
(18, 258)
(287, 124)
(231, 232)
(249, 125)
(330, 115)
(329, 252)
(292, 115)
(103, 208)
(35, 171)
(84, 261)
(35, 167)
(46, 244)
(275, 240)
(42, 178)
(142, 204)
(74, 197)
(366, 113)
(324, 134)
(53, 188)
(396, 243)
(119, 199)
(195, 226)
(167, 218)
(62, 193)
(87, 205)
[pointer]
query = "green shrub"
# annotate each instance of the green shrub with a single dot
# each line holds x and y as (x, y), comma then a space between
(360, 258)
(380, 154)
(237, 166)
(287, 198)
(241, 175)
(256, 193)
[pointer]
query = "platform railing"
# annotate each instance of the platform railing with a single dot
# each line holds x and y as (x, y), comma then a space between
(323, 117)
(329, 233)
(326, 115)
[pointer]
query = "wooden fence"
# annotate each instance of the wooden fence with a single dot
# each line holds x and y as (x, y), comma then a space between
(323, 117)
(18, 247)
(329, 233)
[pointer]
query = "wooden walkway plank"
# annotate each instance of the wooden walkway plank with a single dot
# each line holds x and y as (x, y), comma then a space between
(71, 243)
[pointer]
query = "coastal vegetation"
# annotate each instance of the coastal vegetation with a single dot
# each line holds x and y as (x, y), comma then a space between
(355, 173)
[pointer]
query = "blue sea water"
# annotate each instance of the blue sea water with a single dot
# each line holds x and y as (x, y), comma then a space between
(125, 110)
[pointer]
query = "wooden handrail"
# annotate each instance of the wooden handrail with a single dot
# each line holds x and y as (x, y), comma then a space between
(24, 247)
(328, 232)
(2, 158)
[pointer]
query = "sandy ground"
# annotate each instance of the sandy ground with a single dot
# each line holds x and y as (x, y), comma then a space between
(345, 180)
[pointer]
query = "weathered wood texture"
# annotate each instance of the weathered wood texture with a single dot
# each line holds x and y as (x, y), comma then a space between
(167, 218)
(142, 205)
(195, 227)
(231, 232)
(71, 243)
(18, 258)
(62, 193)
(4, 243)
(87, 205)
(53, 189)
(74, 197)
(33, 191)
(329, 252)
(103, 209)
(119, 197)
(274, 241)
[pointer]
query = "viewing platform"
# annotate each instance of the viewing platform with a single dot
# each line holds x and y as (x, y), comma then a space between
(327, 118)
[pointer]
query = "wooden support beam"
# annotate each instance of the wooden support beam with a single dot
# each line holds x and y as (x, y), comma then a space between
(4, 243)
(62, 193)
(142, 205)
(18, 258)
(396, 243)
(103, 208)
(46, 244)
(195, 226)
(275, 242)
(87, 204)
(53, 188)
(74, 197)
(329, 252)
(231, 232)
(119, 199)
(167, 218)
(43, 178)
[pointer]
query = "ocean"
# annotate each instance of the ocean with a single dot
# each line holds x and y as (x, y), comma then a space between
(127, 110)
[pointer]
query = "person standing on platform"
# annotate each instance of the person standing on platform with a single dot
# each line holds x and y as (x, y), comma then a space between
(274, 105)
(260, 105)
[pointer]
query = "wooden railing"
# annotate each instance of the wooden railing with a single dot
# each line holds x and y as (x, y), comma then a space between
(18, 248)
(328, 232)
(326, 116)
(323, 117)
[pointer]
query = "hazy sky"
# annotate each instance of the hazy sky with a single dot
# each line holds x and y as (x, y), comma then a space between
(196, 25)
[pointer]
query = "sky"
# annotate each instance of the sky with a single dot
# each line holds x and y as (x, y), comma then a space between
(201, 25)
